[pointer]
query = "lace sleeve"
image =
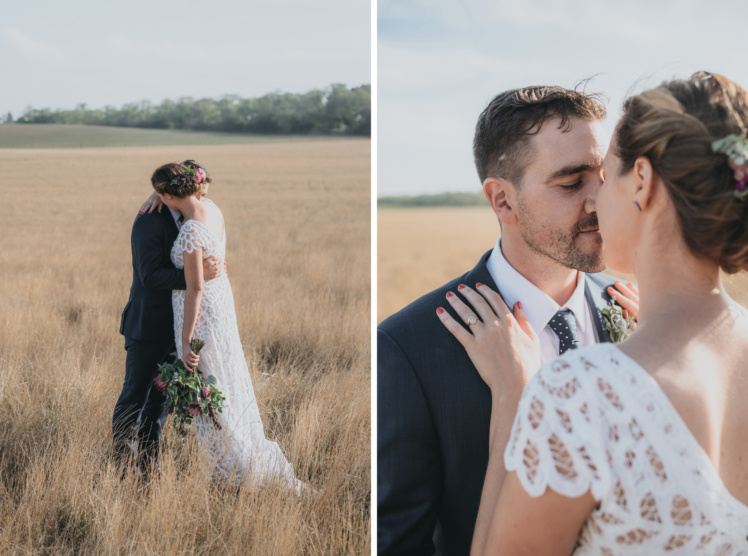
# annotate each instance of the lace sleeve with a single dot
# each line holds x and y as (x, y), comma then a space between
(557, 439)
(191, 237)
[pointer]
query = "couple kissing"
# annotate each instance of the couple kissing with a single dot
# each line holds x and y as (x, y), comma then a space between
(509, 419)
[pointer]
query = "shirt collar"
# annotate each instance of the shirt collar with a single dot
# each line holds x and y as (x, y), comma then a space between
(175, 214)
(538, 306)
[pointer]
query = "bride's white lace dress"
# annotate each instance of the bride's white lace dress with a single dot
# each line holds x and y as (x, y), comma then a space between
(240, 450)
(594, 419)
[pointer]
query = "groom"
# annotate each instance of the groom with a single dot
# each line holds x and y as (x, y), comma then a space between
(539, 157)
(148, 327)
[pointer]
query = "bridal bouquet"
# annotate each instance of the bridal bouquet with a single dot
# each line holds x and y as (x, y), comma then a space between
(187, 392)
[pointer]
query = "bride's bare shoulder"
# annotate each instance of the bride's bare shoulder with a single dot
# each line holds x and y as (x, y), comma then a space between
(740, 314)
(209, 202)
(739, 325)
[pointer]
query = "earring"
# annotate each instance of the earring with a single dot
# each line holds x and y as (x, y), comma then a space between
(637, 206)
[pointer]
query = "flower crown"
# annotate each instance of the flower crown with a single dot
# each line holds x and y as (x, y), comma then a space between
(192, 175)
(736, 149)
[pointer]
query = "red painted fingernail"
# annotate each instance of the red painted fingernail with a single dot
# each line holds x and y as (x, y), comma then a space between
(439, 310)
(625, 314)
(629, 284)
(461, 287)
(478, 284)
(449, 294)
(519, 304)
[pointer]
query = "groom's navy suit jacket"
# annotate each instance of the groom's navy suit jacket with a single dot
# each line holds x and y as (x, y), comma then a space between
(433, 423)
(148, 315)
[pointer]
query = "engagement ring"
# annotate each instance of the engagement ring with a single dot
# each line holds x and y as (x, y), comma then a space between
(471, 320)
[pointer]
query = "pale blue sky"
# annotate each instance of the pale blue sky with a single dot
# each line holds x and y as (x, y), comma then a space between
(58, 54)
(441, 61)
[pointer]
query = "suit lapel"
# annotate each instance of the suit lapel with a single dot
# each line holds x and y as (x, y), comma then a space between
(170, 224)
(597, 299)
(480, 274)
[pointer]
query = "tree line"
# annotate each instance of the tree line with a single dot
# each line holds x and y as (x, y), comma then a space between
(451, 199)
(335, 109)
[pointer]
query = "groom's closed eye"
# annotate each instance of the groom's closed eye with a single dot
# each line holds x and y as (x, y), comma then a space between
(570, 172)
(572, 186)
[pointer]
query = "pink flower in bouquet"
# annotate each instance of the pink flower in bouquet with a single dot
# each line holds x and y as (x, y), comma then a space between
(194, 409)
(205, 392)
(160, 385)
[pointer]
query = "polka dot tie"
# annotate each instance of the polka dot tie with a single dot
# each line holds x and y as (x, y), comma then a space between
(564, 325)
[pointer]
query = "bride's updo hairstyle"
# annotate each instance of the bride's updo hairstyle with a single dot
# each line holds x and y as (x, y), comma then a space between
(161, 180)
(674, 125)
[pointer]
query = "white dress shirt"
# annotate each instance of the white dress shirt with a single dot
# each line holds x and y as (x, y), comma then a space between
(175, 214)
(538, 306)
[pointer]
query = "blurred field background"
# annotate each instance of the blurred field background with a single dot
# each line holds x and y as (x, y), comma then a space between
(298, 228)
(420, 249)
(50, 136)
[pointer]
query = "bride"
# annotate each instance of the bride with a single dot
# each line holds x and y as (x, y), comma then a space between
(639, 447)
(205, 310)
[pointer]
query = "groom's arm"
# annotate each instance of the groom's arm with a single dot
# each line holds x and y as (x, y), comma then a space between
(148, 257)
(409, 471)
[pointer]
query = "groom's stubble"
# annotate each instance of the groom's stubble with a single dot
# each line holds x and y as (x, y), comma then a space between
(567, 247)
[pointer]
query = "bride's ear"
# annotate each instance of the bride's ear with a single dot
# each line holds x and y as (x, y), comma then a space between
(499, 194)
(645, 182)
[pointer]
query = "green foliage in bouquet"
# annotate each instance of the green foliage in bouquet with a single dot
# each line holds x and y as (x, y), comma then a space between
(187, 392)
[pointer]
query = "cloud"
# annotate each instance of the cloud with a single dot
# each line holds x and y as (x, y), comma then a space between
(640, 23)
(32, 49)
(409, 68)
(450, 14)
(123, 45)
(162, 49)
(178, 52)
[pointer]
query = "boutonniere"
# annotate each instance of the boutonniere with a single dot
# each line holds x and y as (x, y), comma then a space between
(618, 322)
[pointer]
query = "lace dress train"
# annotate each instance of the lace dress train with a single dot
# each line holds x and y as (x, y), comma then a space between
(239, 451)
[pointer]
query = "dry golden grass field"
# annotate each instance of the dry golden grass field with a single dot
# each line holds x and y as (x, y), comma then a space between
(420, 249)
(298, 227)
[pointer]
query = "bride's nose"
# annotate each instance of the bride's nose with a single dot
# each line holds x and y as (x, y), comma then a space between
(590, 203)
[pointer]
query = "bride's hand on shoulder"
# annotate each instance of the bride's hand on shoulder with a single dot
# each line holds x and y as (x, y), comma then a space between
(500, 342)
(152, 202)
(627, 296)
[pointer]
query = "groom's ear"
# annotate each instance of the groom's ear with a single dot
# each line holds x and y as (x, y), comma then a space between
(500, 195)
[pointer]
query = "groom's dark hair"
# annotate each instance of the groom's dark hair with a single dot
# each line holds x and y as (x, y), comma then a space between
(502, 146)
